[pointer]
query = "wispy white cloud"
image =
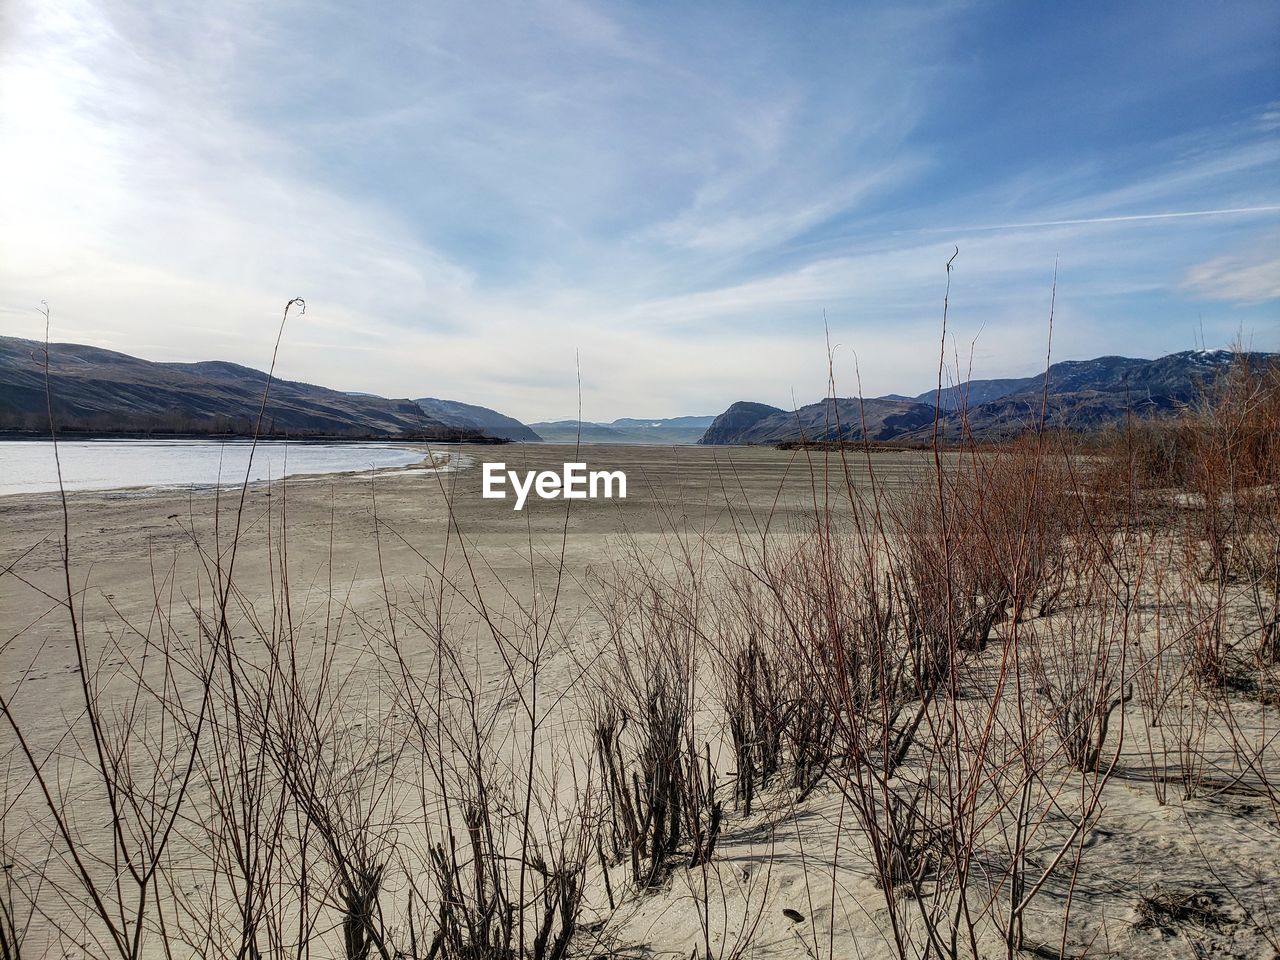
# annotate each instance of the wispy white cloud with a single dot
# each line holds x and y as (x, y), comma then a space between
(1247, 278)
(1132, 218)
(467, 193)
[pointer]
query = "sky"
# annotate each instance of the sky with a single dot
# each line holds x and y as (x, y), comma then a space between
(689, 203)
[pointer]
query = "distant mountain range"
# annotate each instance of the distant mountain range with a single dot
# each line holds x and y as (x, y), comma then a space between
(825, 420)
(1082, 394)
(626, 430)
(102, 391)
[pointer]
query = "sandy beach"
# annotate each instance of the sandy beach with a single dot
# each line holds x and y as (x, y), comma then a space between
(120, 539)
(789, 879)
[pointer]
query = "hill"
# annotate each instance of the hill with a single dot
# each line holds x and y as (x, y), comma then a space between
(104, 391)
(968, 394)
(830, 419)
(481, 420)
(672, 430)
(1083, 395)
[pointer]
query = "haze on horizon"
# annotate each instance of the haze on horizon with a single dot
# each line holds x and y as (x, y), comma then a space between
(468, 194)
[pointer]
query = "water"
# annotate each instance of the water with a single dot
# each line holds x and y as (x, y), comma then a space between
(27, 466)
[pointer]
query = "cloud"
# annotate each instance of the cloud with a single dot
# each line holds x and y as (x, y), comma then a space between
(465, 193)
(1132, 218)
(1240, 278)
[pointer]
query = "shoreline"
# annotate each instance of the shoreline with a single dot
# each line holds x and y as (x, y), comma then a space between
(432, 462)
(429, 446)
(76, 436)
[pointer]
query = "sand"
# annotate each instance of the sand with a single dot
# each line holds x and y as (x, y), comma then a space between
(381, 535)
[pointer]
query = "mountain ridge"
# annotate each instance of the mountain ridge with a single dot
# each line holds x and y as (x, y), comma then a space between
(94, 389)
(626, 430)
(470, 416)
(1082, 395)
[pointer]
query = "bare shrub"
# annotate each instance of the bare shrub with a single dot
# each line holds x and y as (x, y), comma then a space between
(917, 842)
(1168, 909)
(754, 717)
(1079, 667)
(647, 736)
(843, 642)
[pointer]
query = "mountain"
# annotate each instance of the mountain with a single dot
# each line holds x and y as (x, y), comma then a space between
(736, 424)
(671, 430)
(830, 419)
(1085, 395)
(569, 431)
(1082, 395)
(1082, 411)
(969, 394)
(481, 420)
(104, 391)
(660, 423)
(1104, 373)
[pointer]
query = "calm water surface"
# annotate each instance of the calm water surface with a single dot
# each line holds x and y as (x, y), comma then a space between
(27, 466)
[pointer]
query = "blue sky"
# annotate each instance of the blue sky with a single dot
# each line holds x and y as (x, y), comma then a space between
(469, 193)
